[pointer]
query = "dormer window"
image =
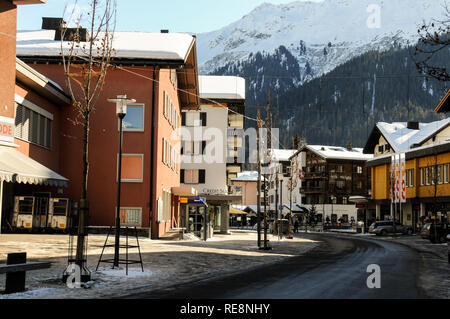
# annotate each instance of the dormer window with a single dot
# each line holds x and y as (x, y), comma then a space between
(380, 149)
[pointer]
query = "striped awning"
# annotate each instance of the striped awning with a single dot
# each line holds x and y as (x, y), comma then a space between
(16, 167)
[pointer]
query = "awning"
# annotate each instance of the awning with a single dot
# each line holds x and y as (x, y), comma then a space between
(18, 168)
(234, 211)
(184, 191)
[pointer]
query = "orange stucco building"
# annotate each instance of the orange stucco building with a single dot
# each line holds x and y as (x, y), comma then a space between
(160, 73)
(30, 107)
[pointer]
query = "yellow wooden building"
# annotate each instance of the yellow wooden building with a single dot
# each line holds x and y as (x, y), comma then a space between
(427, 150)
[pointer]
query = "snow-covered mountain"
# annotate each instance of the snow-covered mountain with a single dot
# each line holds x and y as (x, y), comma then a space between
(320, 35)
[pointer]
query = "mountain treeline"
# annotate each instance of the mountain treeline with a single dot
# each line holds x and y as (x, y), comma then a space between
(345, 104)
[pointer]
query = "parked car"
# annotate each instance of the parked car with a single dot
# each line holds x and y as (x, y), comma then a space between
(425, 231)
(383, 228)
(438, 232)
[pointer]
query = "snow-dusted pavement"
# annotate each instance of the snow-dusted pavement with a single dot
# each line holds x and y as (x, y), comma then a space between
(166, 263)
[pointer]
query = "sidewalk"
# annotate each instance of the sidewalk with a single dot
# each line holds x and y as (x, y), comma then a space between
(166, 263)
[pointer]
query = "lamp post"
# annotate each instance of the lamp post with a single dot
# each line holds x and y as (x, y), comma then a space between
(121, 111)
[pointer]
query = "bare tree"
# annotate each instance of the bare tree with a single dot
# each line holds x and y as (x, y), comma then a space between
(434, 38)
(86, 56)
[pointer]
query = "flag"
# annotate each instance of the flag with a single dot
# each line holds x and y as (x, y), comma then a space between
(403, 178)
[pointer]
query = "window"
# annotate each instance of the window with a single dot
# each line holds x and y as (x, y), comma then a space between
(446, 173)
(410, 178)
(193, 176)
(193, 148)
(359, 170)
(422, 176)
(340, 184)
(340, 168)
(132, 168)
(131, 217)
(427, 175)
(165, 207)
(380, 149)
(194, 119)
(439, 176)
(134, 120)
(33, 124)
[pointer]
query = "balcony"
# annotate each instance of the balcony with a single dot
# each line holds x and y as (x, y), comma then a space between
(316, 175)
(312, 190)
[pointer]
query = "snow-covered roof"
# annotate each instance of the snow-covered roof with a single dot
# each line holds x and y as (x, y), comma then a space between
(337, 152)
(222, 87)
(281, 155)
(401, 138)
(247, 176)
(131, 45)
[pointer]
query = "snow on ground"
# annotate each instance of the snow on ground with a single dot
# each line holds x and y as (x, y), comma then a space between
(166, 263)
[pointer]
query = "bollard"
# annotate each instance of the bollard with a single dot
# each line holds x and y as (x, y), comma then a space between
(15, 282)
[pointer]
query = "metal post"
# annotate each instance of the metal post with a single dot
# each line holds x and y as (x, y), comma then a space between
(258, 210)
(205, 225)
(276, 199)
(281, 211)
(265, 212)
(119, 182)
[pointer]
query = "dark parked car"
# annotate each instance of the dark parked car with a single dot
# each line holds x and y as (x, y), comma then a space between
(438, 232)
(386, 227)
(425, 232)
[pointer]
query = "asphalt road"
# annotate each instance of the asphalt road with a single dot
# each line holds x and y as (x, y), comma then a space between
(336, 269)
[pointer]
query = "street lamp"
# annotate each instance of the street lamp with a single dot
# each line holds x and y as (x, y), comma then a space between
(121, 111)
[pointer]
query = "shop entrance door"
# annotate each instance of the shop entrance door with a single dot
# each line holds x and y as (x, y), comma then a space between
(195, 221)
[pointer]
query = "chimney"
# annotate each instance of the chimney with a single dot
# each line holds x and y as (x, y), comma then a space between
(349, 146)
(413, 126)
(164, 31)
(53, 23)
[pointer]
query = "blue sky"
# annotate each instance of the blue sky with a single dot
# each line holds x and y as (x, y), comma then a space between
(153, 15)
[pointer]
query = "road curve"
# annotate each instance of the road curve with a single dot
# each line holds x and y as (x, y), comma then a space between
(337, 269)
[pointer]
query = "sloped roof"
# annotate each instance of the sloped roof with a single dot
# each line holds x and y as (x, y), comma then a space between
(222, 87)
(130, 45)
(338, 152)
(444, 104)
(281, 155)
(401, 138)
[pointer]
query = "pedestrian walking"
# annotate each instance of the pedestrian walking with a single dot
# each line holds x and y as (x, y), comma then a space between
(296, 226)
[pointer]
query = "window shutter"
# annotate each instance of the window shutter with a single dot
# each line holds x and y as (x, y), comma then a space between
(203, 148)
(183, 119)
(203, 118)
(48, 141)
(26, 124)
(201, 176)
(19, 121)
(182, 176)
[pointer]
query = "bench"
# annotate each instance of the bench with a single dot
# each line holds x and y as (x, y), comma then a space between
(15, 270)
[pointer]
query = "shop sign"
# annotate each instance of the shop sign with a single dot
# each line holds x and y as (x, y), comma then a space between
(6, 129)
(361, 206)
(184, 200)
